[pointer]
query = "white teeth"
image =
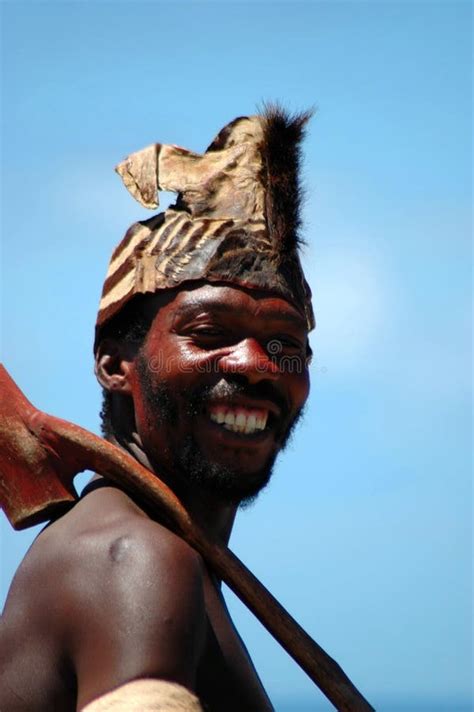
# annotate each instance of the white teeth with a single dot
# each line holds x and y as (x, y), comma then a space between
(251, 424)
(229, 418)
(238, 421)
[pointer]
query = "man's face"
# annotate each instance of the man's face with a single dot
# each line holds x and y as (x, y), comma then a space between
(218, 384)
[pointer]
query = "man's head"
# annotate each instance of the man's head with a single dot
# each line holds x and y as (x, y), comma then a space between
(216, 385)
(217, 286)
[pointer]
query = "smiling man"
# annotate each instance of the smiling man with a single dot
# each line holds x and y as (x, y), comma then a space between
(212, 404)
(201, 349)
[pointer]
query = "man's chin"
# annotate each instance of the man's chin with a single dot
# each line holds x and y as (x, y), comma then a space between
(229, 482)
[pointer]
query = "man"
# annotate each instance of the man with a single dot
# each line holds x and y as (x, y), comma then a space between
(201, 349)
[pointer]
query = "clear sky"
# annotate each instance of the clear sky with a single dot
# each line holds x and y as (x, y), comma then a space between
(365, 532)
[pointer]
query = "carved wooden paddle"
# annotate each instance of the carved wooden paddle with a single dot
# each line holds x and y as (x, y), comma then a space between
(41, 454)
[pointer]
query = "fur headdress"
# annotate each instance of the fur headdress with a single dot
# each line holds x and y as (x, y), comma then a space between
(236, 219)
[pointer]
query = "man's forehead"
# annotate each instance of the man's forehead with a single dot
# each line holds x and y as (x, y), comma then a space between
(232, 299)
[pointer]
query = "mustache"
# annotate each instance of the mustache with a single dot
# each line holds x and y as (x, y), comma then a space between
(226, 390)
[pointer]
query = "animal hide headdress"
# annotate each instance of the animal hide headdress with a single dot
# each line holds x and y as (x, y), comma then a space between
(236, 219)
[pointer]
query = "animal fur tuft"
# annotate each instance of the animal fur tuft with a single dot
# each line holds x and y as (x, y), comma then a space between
(281, 152)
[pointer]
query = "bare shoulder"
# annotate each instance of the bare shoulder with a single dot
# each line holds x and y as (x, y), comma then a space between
(123, 593)
(105, 541)
(109, 536)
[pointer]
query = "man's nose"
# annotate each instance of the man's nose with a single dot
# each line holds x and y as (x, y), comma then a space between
(250, 359)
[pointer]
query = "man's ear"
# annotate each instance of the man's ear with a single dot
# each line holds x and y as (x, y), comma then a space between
(114, 365)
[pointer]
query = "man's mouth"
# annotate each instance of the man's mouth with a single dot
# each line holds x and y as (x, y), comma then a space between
(239, 419)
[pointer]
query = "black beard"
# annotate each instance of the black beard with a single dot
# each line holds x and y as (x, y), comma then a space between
(228, 484)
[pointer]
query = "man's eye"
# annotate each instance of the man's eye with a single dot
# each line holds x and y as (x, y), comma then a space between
(284, 344)
(209, 335)
(208, 331)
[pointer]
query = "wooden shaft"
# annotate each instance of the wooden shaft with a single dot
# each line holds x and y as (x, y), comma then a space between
(318, 665)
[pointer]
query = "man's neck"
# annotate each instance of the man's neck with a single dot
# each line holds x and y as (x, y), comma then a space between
(210, 513)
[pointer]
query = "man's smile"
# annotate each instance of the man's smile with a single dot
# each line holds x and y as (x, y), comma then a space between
(220, 408)
(238, 419)
(233, 440)
(246, 416)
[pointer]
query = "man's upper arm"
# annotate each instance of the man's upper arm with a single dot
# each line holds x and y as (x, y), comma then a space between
(137, 611)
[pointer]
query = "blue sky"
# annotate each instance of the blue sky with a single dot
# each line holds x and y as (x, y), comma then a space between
(365, 532)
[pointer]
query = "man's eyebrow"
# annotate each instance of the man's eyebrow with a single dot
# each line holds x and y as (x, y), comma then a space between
(295, 319)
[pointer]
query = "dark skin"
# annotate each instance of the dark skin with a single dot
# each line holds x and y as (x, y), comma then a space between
(107, 594)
